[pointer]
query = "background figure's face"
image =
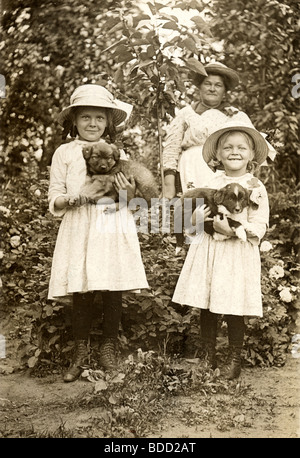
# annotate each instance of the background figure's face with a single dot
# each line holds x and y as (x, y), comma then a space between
(235, 153)
(91, 123)
(212, 90)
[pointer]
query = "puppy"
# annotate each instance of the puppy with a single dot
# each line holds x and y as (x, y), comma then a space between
(229, 201)
(103, 162)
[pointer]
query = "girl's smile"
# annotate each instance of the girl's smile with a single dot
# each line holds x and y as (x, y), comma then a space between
(235, 153)
(91, 123)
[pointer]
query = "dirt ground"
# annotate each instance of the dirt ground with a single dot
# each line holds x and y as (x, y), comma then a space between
(44, 406)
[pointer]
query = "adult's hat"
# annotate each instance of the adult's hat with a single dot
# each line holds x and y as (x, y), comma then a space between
(231, 77)
(93, 95)
(261, 148)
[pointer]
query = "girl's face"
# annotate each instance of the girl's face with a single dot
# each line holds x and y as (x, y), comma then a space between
(212, 90)
(91, 123)
(235, 151)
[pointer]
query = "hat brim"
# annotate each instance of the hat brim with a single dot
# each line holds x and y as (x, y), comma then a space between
(231, 78)
(260, 145)
(119, 114)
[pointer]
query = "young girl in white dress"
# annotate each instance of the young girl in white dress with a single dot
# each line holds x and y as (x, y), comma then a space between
(222, 277)
(95, 250)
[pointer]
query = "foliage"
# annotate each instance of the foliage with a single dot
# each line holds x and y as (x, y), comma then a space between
(262, 44)
(41, 329)
(47, 50)
(135, 395)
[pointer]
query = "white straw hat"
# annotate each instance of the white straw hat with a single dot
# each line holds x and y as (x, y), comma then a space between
(261, 148)
(93, 95)
(231, 77)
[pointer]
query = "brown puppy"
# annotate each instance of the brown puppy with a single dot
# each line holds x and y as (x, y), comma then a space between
(229, 200)
(103, 162)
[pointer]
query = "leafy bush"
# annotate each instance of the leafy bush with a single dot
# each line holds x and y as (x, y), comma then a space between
(39, 329)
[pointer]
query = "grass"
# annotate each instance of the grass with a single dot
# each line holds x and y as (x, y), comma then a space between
(148, 392)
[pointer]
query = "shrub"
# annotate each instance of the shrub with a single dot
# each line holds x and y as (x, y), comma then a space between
(38, 329)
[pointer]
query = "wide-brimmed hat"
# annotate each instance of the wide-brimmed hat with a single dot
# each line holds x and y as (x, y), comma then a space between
(261, 148)
(93, 95)
(231, 77)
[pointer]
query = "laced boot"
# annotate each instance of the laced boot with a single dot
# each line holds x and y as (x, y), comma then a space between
(236, 363)
(80, 360)
(108, 354)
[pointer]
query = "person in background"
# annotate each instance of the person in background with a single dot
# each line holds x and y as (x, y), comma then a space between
(186, 134)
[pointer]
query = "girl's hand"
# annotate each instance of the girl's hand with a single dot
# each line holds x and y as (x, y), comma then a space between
(201, 214)
(78, 201)
(66, 201)
(222, 226)
(121, 183)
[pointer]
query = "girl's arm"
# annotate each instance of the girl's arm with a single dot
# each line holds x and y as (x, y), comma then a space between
(222, 227)
(258, 218)
(256, 223)
(57, 194)
(59, 199)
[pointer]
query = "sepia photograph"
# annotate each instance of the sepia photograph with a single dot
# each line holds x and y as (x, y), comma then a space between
(149, 214)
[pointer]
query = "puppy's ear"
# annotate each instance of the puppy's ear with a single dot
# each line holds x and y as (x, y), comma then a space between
(219, 197)
(116, 152)
(87, 152)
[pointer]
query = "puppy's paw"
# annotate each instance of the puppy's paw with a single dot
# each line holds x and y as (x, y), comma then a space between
(177, 250)
(241, 233)
(220, 237)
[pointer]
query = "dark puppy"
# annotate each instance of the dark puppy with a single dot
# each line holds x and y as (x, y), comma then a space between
(103, 162)
(229, 201)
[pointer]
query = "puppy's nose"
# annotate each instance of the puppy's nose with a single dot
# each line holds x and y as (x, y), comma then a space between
(237, 209)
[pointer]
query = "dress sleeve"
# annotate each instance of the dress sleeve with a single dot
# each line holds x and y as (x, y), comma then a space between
(258, 218)
(57, 186)
(173, 142)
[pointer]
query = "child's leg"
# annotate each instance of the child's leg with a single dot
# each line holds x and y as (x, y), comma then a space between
(82, 314)
(112, 312)
(208, 325)
(236, 332)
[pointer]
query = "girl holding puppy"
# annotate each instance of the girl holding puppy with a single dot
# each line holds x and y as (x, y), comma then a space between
(95, 250)
(222, 277)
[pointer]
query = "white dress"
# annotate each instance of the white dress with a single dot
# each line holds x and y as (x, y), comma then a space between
(224, 276)
(95, 250)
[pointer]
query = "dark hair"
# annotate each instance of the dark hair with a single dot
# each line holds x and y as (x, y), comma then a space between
(70, 129)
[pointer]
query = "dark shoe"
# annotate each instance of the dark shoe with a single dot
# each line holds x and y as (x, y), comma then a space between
(80, 360)
(108, 354)
(236, 364)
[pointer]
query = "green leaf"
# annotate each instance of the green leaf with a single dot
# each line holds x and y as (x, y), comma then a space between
(170, 25)
(196, 66)
(100, 385)
(201, 25)
(118, 76)
(32, 361)
(189, 44)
